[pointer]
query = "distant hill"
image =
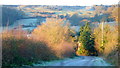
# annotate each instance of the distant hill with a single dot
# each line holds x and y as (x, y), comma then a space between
(10, 15)
(94, 13)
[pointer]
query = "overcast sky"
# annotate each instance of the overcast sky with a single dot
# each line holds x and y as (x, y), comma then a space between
(59, 2)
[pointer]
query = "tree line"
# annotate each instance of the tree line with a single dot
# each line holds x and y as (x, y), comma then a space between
(10, 15)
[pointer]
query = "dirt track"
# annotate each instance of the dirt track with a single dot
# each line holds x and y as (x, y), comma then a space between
(78, 61)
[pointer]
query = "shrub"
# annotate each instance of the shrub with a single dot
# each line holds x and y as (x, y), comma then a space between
(23, 51)
(110, 39)
(64, 49)
(109, 48)
(56, 34)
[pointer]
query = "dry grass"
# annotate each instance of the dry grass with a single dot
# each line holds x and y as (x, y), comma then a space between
(17, 33)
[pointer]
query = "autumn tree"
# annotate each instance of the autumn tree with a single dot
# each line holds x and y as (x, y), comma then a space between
(110, 38)
(56, 34)
(115, 13)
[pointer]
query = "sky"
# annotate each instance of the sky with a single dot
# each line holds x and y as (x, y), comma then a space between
(59, 2)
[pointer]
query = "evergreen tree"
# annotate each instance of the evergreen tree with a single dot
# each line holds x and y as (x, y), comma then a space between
(87, 40)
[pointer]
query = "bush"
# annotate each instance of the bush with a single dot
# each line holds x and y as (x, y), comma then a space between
(64, 49)
(48, 42)
(109, 47)
(115, 54)
(23, 51)
(57, 35)
(110, 39)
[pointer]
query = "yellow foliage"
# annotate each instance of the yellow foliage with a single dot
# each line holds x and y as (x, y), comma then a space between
(53, 31)
(116, 13)
(110, 38)
(16, 33)
(57, 35)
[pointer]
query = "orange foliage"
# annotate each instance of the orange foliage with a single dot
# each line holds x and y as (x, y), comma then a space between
(56, 34)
